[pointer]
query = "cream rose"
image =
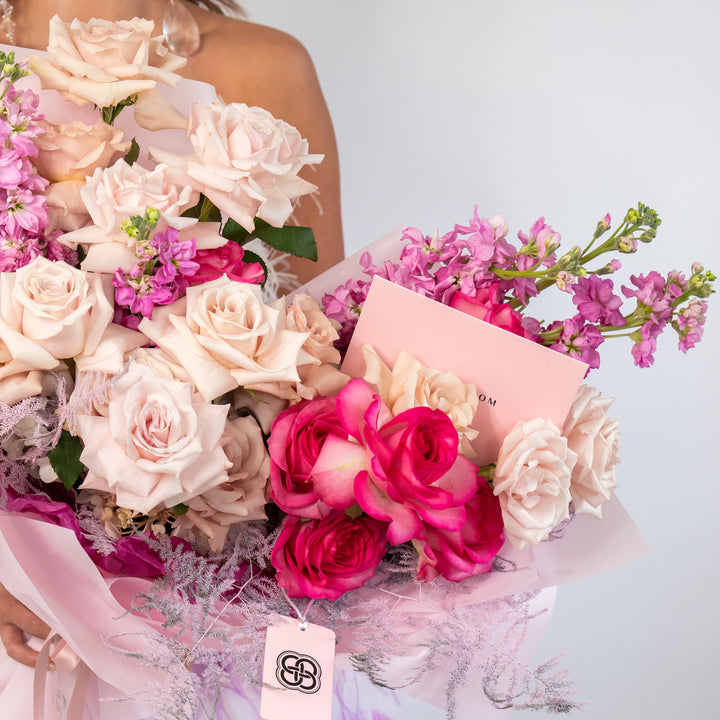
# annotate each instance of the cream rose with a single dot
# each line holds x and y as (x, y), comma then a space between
(112, 195)
(262, 406)
(73, 151)
(103, 62)
(225, 336)
(247, 162)
(242, 497)
(595, 438)
(159, 445)
(66, 210)
(51, 311)
(532, 481)
(410, 384)
(162, 365)
(321, 377)
(17, 382)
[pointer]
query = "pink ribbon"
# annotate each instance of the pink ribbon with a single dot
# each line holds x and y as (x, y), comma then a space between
(55, 649)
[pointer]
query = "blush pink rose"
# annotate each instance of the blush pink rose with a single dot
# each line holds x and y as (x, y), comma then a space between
(17, 381)
(226, 260)
(247, 162)
(242, 497)
(102, 62)
(114, 194)
(486, 306)
(410, 384)
(595, 438)
(51, 311)
(459, 554)
(297, 437)
(226, 336)
(328, 557)
(532, 480)
(159, 445)
(321, 376)
(72, 151)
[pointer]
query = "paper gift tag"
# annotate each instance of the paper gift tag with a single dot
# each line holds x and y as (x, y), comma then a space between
(297, 671)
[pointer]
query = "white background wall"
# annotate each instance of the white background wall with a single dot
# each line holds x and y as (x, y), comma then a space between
(566, 109)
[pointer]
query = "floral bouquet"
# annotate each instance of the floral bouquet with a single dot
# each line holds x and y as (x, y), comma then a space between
(186, 447)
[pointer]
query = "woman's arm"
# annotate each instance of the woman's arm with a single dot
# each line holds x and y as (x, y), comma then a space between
(263, 66)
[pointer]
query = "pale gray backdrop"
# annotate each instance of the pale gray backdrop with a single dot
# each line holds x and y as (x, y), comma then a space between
(567, 109)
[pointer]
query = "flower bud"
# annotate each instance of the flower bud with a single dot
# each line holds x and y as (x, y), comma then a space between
(626, 244)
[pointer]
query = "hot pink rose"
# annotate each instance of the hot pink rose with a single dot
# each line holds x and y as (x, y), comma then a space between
(226, 260)
(486, 306)
(404, 470)
(328, 557)
(459, 554)
(297, 437)
(417, 475)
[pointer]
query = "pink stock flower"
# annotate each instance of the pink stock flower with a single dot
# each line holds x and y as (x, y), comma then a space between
(541, 243)
(226, 260)
(690, 321)
(328, 557)
(578, 339)
(643, 352)
(596, 302)
(487, 305)
(344, 305)
(651, 293)
(459, 554)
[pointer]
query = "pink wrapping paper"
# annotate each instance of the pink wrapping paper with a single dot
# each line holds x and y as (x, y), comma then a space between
(45, 567)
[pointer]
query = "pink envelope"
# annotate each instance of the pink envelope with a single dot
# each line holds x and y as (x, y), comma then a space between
(516, 379)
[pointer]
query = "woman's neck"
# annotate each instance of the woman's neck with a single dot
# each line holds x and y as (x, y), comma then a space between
(32, 17)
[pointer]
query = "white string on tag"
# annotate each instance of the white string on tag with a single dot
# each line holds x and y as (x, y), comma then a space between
(301, 616)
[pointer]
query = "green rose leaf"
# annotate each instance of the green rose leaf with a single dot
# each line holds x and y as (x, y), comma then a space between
(298, 241)
(65, 459)
(133, 153)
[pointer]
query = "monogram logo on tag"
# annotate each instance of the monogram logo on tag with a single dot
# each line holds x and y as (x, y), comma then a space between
(298, 672)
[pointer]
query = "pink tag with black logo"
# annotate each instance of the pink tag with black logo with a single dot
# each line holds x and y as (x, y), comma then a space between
(297, 671)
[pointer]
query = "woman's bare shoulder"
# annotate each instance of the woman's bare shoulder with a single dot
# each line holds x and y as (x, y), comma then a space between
(253, 63)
